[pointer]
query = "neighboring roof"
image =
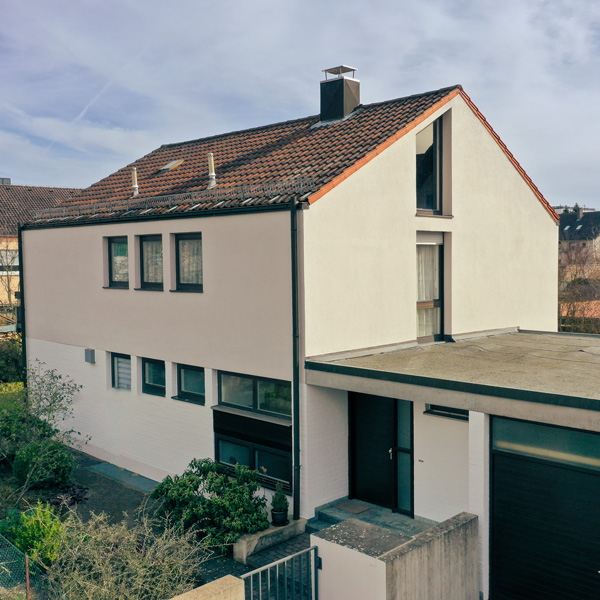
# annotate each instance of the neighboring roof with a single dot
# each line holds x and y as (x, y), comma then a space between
(555, 368)
(18, 202)
(262, 167)
(574, 228)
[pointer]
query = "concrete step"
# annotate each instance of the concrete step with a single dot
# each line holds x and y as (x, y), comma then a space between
(313, 525)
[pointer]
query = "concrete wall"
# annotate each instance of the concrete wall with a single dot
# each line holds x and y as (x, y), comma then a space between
(439, 564)
(226, 588)
(360, 255)
(441, 450)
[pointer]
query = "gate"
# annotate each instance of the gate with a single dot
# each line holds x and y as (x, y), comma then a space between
(294, 577)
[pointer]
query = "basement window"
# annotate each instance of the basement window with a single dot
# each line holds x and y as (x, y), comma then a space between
(190, 384)
(153, 377)
(121, 371)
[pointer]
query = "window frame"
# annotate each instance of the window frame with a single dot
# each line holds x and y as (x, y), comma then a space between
(436, 302)
(438, 168)
(187, 287)
(265, 480)
(111, 282)
(113, 356)
(150, 285)
(151, 388)
(439, 410)
(255, 403)
(186, 396)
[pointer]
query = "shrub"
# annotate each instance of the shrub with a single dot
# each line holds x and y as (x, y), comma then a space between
(11, 368)
(39, 533)
(215, 503)
(18, 428)
(279, 502)
(43, 464)
(144, 560)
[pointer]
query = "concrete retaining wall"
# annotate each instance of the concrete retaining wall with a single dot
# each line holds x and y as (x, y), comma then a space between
(226, 588)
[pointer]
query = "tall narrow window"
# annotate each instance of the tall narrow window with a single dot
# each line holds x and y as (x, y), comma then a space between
(190, 384)
(188, 257)
(121, 371)
(151, 262)
(118, 262)
(429, 292)
(429, 168)
(153, 377)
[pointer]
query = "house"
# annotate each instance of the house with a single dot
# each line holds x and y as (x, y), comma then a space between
(17, 203)
(579, 240)
(358, 303)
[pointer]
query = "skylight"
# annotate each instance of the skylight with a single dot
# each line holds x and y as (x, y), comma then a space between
(567, 227)
(579, 226)
(172, 165)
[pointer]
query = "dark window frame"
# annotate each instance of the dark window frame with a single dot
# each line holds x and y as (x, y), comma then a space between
(437, 302)
(187, 287)
(255, 381)
(151, 388)
(113, 356)
(149, 285)
(111, 282)
(265, 480)
(187, 396)
(438, 168)
(439, 410)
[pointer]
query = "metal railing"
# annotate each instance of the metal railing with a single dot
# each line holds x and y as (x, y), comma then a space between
(294, 577)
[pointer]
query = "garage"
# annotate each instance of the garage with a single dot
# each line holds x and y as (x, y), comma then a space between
(545, 525)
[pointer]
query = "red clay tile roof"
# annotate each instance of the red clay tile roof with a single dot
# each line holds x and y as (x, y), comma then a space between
(258, 167)
(18, 202)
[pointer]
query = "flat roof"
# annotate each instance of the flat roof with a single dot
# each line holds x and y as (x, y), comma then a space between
(554, 368)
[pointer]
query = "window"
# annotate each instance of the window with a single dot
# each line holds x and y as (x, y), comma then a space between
(151, 262)
(153, 377)
(445, 411)
(188, 262)
(190, 384)
(118, 263)
(261, 395)
(121, 371)
(429, 292)
(273, 466)
(429, 168)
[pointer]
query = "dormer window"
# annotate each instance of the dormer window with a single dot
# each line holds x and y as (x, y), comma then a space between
(429, 168)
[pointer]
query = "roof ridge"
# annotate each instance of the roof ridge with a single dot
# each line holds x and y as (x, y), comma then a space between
(39, 187)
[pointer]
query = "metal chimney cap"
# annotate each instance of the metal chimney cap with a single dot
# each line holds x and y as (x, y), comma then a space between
(339, 71)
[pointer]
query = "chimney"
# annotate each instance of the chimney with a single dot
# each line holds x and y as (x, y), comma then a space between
(340, 95)
(579, 213)
(4, 180)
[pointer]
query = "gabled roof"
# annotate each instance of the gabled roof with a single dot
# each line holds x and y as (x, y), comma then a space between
(261, 167)
(18, 203)
(574, 228)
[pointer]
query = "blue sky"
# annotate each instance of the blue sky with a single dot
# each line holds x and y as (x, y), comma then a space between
(88, 86)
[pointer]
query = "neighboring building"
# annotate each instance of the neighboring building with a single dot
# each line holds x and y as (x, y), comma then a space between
(17, 205)
(280, 312)
(579, 238)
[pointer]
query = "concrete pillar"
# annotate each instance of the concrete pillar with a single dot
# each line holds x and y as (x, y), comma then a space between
(479, 486)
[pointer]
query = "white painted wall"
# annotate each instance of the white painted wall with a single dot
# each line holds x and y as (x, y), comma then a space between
(151, 435)
(360, 255)
(241, 322)
(324, 447)
(441, 451)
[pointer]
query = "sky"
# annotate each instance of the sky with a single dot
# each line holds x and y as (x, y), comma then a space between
(89, 86)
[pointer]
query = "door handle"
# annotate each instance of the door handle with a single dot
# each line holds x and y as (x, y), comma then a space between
(390, 453)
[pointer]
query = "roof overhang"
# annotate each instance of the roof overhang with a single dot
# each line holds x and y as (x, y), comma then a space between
(542, 376)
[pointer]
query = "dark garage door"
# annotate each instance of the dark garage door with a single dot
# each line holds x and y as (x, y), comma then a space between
(545, 529)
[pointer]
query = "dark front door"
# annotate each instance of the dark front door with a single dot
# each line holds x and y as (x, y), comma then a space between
(381, 451)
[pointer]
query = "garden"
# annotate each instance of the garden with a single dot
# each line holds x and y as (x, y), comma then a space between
(72, 555)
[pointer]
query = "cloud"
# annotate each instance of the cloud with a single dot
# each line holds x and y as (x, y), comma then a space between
(104, 82)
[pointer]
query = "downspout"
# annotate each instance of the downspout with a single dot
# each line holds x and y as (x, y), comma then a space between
(295, 360)
(21, 319)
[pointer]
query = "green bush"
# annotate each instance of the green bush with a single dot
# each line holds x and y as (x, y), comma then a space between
(279, 502)
(18, 427)
(39, 533)
(217, 504)
(11, 368)
(43, 464)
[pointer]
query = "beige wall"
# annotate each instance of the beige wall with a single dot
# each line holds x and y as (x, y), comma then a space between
(241, 322)
(360, 256)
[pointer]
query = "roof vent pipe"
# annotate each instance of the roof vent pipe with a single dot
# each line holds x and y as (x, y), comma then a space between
(212, 178)
(134, 183)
